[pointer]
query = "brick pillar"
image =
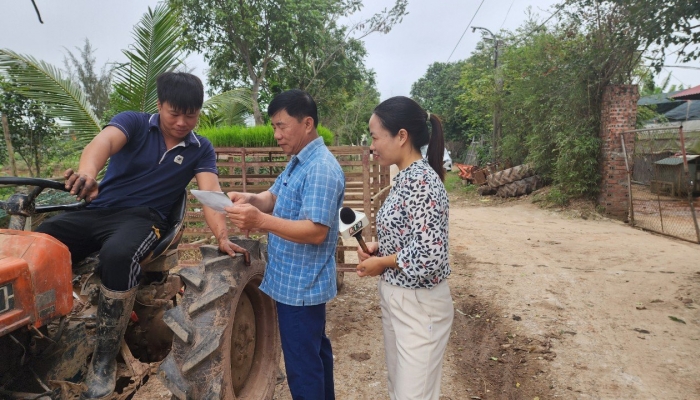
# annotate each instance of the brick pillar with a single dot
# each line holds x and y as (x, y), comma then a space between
(618, 114)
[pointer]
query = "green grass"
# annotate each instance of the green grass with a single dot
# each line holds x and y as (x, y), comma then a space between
(253, 136)
(552, 197)
(452, 181)
(453, 184)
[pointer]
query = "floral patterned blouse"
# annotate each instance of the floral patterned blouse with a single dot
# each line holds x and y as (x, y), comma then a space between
(413, 222)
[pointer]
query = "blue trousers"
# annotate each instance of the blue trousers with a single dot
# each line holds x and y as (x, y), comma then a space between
(308, 357)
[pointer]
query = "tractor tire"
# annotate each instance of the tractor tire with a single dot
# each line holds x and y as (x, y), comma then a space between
(226, 343)
(485, 190)
(340, 280)
(500, 178)
(521, 187)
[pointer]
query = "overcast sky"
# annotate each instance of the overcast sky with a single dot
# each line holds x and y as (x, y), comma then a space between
(430, 33)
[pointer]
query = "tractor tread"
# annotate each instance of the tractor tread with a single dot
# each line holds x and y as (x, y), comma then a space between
(213, 293)
(171, 376)
(509, 175)
(209, 344)
(200, 363)
(175, 320)
(213, 392)
(192, 278)
(521, 187)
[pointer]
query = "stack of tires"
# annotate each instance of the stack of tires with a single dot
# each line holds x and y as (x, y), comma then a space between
(512, 182)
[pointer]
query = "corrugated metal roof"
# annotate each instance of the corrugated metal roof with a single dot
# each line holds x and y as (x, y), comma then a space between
(676, 160)
(687, 111)
(659, 98)
(689, 94)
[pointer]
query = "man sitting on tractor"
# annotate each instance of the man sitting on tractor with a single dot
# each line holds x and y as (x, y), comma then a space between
(152, 159)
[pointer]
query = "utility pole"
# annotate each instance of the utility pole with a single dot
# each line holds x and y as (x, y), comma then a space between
(496, 136)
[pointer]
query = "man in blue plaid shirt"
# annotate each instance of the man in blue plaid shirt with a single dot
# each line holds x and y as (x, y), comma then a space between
(303, 231)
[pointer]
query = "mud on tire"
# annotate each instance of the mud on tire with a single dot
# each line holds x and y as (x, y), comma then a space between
(226, 343)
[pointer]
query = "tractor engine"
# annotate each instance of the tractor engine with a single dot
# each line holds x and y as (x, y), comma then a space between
(35, 280)
(35, 290)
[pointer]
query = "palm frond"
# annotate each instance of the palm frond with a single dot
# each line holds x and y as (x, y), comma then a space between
(227, 108)
(64, 98)
(239, 95)
(156, 49)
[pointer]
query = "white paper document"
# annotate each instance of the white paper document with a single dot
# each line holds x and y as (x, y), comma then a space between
(213, 200)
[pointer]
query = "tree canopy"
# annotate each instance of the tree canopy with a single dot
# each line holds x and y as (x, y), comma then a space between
(554, 74)
(438, 92)
(156, 49)
(33, 134)
(661, 25)
(553, 80)
(349, 121)
(97, 86)
(279, 44)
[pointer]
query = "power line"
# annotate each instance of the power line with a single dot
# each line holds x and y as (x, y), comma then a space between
(465, 30)
(673, 76)
(522, 37)
(680, 66)
(538, 27)
(507, 12)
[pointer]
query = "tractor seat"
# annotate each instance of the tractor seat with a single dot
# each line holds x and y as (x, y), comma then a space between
(172, 237)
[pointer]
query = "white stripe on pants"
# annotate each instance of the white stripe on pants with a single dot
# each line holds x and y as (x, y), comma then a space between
(416, 324)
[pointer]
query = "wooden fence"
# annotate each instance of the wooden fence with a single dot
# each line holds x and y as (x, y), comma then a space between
(254, 170)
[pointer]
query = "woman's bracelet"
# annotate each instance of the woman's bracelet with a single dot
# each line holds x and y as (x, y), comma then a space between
(396, 264)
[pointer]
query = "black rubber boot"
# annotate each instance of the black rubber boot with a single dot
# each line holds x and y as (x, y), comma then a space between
(113, 312)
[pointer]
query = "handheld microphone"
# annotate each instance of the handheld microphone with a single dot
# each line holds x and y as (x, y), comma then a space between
(351, 224)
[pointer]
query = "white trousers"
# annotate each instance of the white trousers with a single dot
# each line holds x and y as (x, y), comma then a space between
(416, 325)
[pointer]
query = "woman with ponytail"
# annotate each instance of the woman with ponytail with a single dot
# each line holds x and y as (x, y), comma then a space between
(411, 255)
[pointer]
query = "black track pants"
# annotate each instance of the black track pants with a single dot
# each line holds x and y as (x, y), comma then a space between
(123, 236)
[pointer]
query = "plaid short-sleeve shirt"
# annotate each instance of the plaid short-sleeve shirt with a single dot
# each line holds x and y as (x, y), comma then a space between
(311, 187)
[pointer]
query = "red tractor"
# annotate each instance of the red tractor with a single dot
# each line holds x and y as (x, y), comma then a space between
(218, 340)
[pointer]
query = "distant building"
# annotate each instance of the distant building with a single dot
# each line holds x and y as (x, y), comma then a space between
(674, 108)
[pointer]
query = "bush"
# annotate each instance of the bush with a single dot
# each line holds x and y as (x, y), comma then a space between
(250, 136)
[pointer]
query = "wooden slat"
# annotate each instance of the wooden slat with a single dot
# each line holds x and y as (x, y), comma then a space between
(344, 267)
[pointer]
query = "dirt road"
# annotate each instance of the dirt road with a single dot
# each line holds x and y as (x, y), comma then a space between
(616, 306)
(548, 305)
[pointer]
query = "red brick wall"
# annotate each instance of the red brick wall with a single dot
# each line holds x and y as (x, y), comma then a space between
(618, 114)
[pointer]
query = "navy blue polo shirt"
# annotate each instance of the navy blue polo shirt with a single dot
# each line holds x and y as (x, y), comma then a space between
(143, 173)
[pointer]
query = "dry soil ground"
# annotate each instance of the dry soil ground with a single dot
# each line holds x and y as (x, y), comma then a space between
(548, 304)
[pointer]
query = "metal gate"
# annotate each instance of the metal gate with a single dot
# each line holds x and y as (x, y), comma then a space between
(663, 181)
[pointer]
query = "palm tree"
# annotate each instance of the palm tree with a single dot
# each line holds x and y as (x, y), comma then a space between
(43, 82)
(227, 108)
(156, 49)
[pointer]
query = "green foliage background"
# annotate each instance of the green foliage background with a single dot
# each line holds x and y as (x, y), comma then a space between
(301, 45)
(33, 134)
(553, 82)
(438, 92)
(554, 73)
(272, 45)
